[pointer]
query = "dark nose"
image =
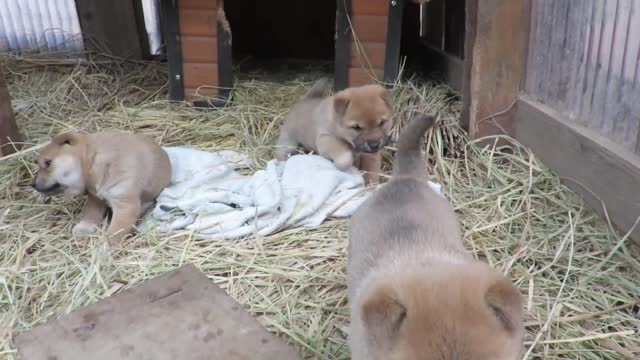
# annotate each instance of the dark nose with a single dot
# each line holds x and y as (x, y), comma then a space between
(33, 183)
(374, 145)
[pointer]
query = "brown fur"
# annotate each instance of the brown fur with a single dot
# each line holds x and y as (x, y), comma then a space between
(414, 291)
(117, 170)
(348, 128)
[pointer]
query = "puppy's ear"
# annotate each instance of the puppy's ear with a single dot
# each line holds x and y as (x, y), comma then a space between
(341, 102)
(383, 314)
(387, 97)
(505, 301)
(68, 138)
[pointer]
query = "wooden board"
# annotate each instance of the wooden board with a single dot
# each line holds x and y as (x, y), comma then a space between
(179, 315)
(8, 127)
(112, 27)
(592, 165)
(496, 56)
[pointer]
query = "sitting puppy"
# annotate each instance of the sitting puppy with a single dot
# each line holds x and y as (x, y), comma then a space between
(118, 170)
(414, 292)
(348, 128)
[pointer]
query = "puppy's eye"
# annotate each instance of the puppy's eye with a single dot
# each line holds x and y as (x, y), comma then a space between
(356, 127)
(47, 163)
(382, 122)
(67, 142)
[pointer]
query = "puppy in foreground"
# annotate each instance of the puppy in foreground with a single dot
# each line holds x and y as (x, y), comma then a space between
(414, 291)
(117, 170)
(349, 128)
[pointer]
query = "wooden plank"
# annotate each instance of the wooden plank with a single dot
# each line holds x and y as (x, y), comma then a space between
(195, 94)
(202, 49)
(342, 44)
(179, 315)
(361, 76)
(197, 74)
(471, 24)
(497, 65)
(370, 28)
(170, 22)
(198, 22)
(198, 4)
(225, 61)
(394, 35)
(368, 55)
(590, 163)
(370, 7)
(111, 27)
(8, 126)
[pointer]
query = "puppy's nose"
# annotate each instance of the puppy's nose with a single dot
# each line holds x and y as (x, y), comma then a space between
(374, 145)
(33, 183)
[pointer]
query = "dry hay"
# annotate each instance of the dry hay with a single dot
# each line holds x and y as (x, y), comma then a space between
(579, 277)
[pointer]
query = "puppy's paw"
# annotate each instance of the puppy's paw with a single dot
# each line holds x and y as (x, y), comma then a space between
(84, 228)
(344, 161)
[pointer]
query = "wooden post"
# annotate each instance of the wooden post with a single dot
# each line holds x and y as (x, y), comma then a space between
(8, 127)
(497, 36)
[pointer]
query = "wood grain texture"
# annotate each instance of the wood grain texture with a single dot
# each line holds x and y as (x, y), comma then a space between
(583, 61)
(198, 22)
(198, 74)
(370, 7)
(591, 163)
(201, 49)
(368, 55)
(179, 315)
(497, 64)
(369, 28)
(360, 76)
(198, 4)
(8, 126)
(111, 27)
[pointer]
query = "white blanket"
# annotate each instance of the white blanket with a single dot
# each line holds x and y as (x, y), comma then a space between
(209, 197)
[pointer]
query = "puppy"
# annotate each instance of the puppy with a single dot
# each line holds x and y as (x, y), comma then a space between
(117, 170)
(414, 291)
(348, 128)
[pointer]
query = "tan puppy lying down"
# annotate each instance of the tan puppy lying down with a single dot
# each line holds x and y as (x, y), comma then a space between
(348, 128)
(117, 170)
(414, 291)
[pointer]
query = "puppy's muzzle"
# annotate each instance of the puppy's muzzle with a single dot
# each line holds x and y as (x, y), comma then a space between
(371, 146)
(51, 189)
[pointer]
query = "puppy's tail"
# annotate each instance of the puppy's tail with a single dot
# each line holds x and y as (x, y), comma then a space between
(318, 90)
(408, 161)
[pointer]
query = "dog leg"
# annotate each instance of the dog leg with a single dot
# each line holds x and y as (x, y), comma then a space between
(336, 150)
(92, 214)
(287, 145)
(371, 164)
(125, 217)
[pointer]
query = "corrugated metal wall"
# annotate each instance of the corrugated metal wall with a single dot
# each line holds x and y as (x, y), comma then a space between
(50, 25)
(584, 61)
(53, 25)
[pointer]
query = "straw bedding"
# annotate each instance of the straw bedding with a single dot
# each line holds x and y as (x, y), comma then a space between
(579, 277)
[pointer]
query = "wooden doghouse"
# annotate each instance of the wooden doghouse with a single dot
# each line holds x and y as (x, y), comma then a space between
(198, 38)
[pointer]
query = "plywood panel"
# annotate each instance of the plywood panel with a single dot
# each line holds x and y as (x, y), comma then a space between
(370, 28)
(198, 22)
(201, 93)
(370, 7)
(196, 74)
(198, 4)
(583, 61)
(200, 49)
(179, 315)
(368, 55)
(360, 76)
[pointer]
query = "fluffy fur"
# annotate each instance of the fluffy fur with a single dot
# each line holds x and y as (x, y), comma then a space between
(117, 170)
(349, 128)
(414, 291)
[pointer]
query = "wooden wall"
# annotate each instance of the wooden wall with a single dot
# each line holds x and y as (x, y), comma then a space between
(368, 45)
(198, 30)
(584, 62)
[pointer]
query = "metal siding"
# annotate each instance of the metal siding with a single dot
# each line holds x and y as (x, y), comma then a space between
(40, 25)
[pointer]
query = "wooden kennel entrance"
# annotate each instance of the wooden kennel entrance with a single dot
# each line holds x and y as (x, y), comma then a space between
(199, 41)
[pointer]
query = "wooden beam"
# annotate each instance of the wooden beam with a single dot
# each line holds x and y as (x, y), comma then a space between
(496, 52)
(602, 172)
(225, 61)
(112, 27)
(171, 31)
(343, 45)
(8, 126)
(394, 35)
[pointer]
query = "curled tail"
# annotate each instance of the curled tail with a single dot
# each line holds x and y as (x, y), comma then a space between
(408, 160)
(318, 90)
